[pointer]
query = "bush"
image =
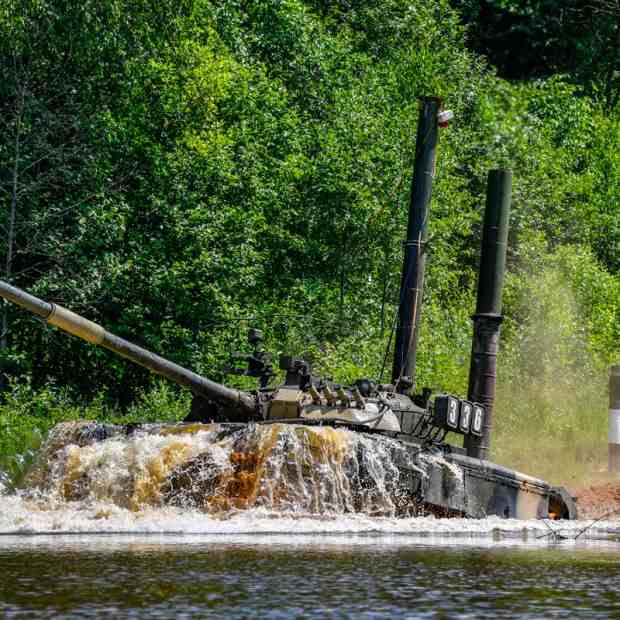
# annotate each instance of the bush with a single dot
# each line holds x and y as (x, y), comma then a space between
(26, 416)
(554, 366)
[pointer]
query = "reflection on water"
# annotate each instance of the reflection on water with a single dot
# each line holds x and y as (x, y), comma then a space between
(286, 577)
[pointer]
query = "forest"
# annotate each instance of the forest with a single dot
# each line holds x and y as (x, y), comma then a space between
(181, 171)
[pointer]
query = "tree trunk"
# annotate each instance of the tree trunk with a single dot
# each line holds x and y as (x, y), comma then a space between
(10, 235)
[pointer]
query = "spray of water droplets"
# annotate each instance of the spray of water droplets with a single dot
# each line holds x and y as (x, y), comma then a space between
(260, 479)
(284, 468)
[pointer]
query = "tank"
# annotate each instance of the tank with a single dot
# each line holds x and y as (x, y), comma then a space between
(434, 476)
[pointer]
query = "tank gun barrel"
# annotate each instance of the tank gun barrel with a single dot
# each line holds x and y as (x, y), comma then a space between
(81, 327)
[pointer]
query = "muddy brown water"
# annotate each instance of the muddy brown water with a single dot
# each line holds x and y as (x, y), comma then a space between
(318, 576)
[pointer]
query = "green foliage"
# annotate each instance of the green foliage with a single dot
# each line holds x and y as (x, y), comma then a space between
(189, 169)
(250, 169)
(552, 399)
(25, 418)
(537, 38)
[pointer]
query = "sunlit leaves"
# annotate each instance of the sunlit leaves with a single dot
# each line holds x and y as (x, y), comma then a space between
(241, 163)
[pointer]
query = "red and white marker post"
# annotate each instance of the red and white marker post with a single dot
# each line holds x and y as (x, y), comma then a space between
(614, 420)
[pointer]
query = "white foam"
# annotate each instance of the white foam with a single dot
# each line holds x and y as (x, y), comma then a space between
(317, 480)
(21, 516)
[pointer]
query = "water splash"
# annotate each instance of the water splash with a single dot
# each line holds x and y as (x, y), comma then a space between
(215, 469)
(212, 480)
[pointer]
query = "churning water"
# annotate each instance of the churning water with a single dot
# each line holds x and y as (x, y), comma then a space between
(273, 522)
(205, 479)
(205, 474)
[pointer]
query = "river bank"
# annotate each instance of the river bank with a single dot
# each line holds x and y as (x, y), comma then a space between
(598, 500)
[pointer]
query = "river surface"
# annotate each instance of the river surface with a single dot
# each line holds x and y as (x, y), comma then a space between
(187, 522)
(306, 576)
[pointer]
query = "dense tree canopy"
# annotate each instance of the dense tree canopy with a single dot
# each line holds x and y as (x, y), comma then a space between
(537, 38)
(172, 169)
